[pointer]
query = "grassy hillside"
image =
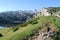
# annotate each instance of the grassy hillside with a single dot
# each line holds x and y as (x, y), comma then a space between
(21, 32)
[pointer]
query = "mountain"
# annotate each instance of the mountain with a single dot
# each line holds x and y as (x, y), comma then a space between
(19, 17)
(15, 17)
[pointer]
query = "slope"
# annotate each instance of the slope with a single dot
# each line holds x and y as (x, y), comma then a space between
(26, 31)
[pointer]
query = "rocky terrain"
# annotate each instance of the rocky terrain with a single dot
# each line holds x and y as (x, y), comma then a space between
(46, 33)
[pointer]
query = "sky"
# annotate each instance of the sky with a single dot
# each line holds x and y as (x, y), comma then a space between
(13, 5)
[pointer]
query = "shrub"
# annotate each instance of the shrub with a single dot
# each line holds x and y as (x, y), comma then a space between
(57, 37)
(16, 29)
(33, 33)
(1, 35)
(34, 22)
(23, 25)
(54, 20)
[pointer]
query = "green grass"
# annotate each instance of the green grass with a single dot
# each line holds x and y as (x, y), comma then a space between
(26, 31)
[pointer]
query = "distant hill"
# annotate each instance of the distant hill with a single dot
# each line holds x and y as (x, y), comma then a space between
(15, 17)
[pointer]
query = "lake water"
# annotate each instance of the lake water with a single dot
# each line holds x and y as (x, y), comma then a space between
(2, 27)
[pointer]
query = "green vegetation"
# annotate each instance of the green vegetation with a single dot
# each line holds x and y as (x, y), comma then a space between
(53, 9)
(27, 29)
(1, 35)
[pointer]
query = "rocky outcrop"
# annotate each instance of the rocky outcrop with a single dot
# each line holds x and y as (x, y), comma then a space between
(46, 33)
